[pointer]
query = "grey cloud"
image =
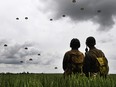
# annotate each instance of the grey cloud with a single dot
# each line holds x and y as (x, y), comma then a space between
(73, 10)
(2, 42)
(13, 54)
(112, 57)
(106, 40)
(10, 61)
(49, 58)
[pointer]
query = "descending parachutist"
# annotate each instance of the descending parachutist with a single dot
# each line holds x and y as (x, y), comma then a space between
(74, 1)
(51, 19)
(17, 18)
(82, 9)
(5, 45)
(26, 18)
(98, 11)
(30, 59)
(55, 67)
(63, 15)
(39, 54)
(21, 61)
(26, 48)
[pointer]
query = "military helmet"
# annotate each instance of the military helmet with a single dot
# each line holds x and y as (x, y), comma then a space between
(90, 41)
(75, 43)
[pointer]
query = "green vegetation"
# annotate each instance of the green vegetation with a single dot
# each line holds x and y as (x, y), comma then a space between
(54, 80)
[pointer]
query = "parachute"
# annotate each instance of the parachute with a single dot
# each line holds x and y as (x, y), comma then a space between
(21, 61)
(63, 15)
(26, 18)
(82, 9)
(17, 18)
(55, 67)
(98, 11)
(30, 59)
(26, 48)
(73, 1)
(5, 45)
(51, 19)
(39, 54)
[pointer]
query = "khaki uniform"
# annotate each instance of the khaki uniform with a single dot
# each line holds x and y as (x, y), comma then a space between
(73, 62)
(91, 63)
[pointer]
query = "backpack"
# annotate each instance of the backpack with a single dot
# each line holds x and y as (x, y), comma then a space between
(103, 66)
(99, 62)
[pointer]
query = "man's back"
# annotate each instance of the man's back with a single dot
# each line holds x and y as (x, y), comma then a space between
(92, 61)
(73, 61)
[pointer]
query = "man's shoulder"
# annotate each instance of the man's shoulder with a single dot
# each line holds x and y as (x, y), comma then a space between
(68, 52)
(95, 52)
(74, 52)
(81, 53)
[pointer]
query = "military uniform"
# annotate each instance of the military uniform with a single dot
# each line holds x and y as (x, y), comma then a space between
(91, 63)
(73, 62)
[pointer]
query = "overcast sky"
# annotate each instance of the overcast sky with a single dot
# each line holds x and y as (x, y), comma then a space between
(51, 39)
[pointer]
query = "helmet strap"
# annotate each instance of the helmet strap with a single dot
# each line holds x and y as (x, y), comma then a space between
(86, 49)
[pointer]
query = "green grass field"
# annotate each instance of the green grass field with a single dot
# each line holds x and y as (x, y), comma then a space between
(54, 80)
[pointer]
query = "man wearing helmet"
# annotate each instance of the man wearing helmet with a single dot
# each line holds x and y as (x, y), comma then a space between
(73, 59)
(95, 62)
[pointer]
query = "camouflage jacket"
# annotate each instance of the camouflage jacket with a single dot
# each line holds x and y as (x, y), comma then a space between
(90, 61)
(73, 61)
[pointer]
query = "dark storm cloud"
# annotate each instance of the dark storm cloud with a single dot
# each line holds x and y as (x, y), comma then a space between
(99, 11)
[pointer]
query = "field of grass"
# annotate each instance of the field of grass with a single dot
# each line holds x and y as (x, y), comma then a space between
(54, 80)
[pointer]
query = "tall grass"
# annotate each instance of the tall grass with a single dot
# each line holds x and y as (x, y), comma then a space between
(54, 80)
